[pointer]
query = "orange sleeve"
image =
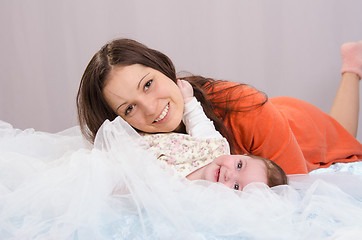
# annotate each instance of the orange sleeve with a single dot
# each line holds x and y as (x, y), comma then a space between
(263, 131)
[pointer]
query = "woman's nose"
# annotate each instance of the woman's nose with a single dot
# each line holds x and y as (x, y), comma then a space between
(149, 106)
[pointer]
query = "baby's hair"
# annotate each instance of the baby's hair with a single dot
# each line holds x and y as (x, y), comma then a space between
(275, 174)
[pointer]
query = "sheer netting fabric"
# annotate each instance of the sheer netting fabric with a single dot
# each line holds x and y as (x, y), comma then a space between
(58, 186)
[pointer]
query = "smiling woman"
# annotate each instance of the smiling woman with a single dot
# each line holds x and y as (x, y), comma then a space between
(145, 98)
(106, 68)
(125, 78)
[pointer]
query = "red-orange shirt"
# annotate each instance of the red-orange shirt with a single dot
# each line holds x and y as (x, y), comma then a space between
(295, 134)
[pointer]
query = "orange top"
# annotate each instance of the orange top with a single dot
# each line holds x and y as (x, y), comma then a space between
(296, 135)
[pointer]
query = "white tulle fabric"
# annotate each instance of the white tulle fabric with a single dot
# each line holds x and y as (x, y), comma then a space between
(57, 186)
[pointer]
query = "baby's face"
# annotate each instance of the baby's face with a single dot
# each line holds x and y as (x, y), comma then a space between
(236, 171)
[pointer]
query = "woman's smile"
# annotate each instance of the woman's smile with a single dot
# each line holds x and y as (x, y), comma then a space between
(163, 114)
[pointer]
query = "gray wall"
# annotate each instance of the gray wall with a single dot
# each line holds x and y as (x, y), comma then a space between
(281, 47)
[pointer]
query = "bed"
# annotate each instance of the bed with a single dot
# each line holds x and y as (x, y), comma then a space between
(58, 186)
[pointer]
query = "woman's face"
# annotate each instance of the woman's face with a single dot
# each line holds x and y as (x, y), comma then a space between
(145, 98)
(235, 171)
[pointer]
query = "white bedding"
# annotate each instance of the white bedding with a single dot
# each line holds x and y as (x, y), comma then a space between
(58, 186)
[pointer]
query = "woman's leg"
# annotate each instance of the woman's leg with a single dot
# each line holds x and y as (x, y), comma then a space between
(345, 108)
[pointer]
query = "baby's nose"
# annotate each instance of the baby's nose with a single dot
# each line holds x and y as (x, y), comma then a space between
(229, 177)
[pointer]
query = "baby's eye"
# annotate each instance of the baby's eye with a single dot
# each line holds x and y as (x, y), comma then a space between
(128, 110)
(239, 166)
(148, 85)
(236, 186)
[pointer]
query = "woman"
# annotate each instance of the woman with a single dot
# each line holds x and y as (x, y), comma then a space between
(125, 78)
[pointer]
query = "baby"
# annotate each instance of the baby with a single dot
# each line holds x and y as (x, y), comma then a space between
(204, 153)
(237, 171)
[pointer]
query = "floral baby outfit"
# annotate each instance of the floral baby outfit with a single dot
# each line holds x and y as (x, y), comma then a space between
(185, 153)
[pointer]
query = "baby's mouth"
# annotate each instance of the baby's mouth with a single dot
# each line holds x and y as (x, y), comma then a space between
(217, 175)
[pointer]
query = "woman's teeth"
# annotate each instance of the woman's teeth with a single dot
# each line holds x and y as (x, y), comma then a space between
(163, 114)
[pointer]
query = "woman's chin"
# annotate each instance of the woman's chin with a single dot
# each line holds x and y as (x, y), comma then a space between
(180, 128)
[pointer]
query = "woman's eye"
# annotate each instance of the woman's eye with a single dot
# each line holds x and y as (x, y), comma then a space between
(239, 165)
(128, 110)
(148, 85)
(236, 186)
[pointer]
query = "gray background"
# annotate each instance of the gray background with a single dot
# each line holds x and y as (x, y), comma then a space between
(281, 47)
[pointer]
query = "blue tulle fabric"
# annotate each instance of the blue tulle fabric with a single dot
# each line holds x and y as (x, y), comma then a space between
(58, 186)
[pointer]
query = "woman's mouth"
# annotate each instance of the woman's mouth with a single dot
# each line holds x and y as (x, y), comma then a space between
(163, 114)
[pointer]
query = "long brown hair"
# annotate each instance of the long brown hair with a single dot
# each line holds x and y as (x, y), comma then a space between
(217, 105)
(93, 109)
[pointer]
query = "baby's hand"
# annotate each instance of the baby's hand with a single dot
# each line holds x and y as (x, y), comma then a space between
(186, 90)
